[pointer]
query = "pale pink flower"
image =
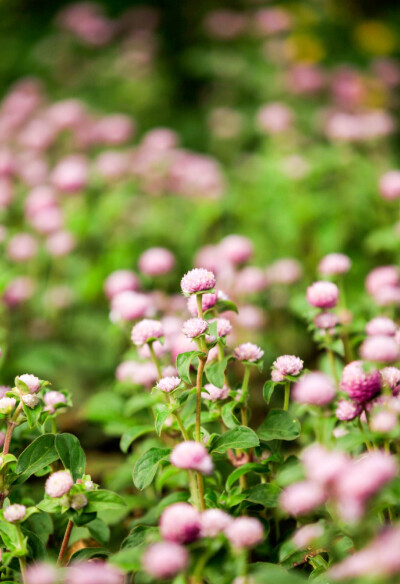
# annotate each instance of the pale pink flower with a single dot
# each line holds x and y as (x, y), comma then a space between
(191, 455)
(165, 559)
(180, 523)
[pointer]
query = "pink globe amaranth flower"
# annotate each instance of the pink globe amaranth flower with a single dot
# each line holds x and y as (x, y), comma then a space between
(326, 320)
(160, 139)
(274, 20)
(14, 513)
(380, 349)
(7, 404)
(71, 174)
(78, 501)
(248, 352)
(191, 455)
(381, 325)
(307, 534)
(361, 386)
(8, 165)
(347, 410)
(59, 483)
(225, 24)
(120, 281)
(195, 175)
(66, 114)
(334, 264)
(384, 421)
(39, 199)
(250, 280)
(284, 271)
(274, 118)
(48, 221)
(387, 70)
(137, 373)
(159, 348)
(30, 400)
(214, 393)
(94, 572)
(324, 466)
(60, 243)
(288, 365)
(236, 249)
(112, 164)
(245, 532)
(22, 247)
(323, 294)
(382, 277)
(389, 185)
(168, 384)
(213, 522)
(41, 573)
(194, 327)
(129, 305)
(207, 301)
(390, 377)
(314, 388)
(165, 560)
(19, 290)
(156, 261)
(180, 523)
(52, 398)
(31, 381)
(146, 330)
(113, 130)
(197, 280)
(224, 327)
(276, 376)
(387, 296)
(305, 79)
(302, 498)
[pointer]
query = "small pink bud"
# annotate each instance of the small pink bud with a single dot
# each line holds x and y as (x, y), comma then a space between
(323, 294)
(59, 483)
(191, 455)
(245, 532)
(14, 513)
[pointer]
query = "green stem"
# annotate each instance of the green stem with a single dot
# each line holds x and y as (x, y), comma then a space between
(22, 561)
(53, 425)
(333, 365)
(199, 300)
(155, 360)
(200, 486)
(199, 384)
(287, 396)
(194, 489)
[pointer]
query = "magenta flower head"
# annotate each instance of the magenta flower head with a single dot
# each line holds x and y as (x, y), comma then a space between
(31, 381)
(248, 352)
(323, 294)
(381, 325)
(245, 532)
(380, 348)
(52, 398)
(165, 560)
(236, 249)
(287, 365)
(120, 281)
(191, 455)
(94, 572)
(390, 377)
(14, 513)
(58, 484)
(326, 320)
(168, 384)
(347, 410)
(197, 281)
(334, 264)
(180, 523)
(214, 393)
(207, 301)
(156, 261)
(314, 388)
(389, 185)
(214, 521)
(194, 327)
(360, 385)
(145, 331)
(129, 305)
(41, 573)
(303, 497)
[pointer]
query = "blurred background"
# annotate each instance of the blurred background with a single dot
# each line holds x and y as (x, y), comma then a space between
(126, 126)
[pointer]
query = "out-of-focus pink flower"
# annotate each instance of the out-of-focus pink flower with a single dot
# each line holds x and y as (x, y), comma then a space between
(236, 249)
(41, 573)
(347, 410)
(129, 305)
(191, 455)
(381, 325)
(19, 290)
(225, 24)
(120, 281)
(389, 185)
(284, 271)
(305, 535)
(156, 261)
(113, 130)
(112, 164)
(193, 175)
(269, 21)
(60, 243)
(165, 559)
(301, 498)
(250, 280)
(87, 21)
(381, 349)
(305, 79)
(274, 118)
(334, 264)
(146, 330)
(22, 247)
(314, 388)
(180, 523)
(245, 532)
(71, 174)
(384, 421)
(323, 294)
(98, 572)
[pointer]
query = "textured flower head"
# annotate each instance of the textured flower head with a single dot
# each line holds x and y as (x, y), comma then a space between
(165, 559)
(197, 280)
(146, 330)
(59, 483)
(180, 523)
(7, 404)
(347, 410)
(391, 377)
(191, 455)
(326, 320)
(360, 385)
(214, 393)
(315, 388)
(79, 501)
(194, 327)
(303, 497)
(30, 400)
(52, 398)
(381, 325)
(31, 381)
(224, 327)
(248, 352)
(156, 261)
(245, 532)
(14, 513)
(288, 365)
(168, 384)
(334, 263)
(380, 349)
(323, 294)
(94, 572)
(214, 521)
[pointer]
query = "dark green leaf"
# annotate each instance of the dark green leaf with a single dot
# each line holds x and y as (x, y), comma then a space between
(226, 306)
(71, 454)
(279, 425)
(215, 372)
(268, 390)
(240, 437)
(160, 420)
(265, 494)
(132, 434)
(88, 553)
(138, 536)
(146, 467)
(242, 470)
(228, 416)
(183, 362)
(99, 530)
(32, 414)
(103, 500)
(39, 454)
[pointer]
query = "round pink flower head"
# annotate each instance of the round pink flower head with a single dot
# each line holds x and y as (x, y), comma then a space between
(94, 572)
(146, 331)
(156, 261)
(389, 185)
(180, 523)
(284, 271)
(194, 327)
(301, 498)
(381, 325)
(14, 513)
(288, 365)
(207, 301)
(347, 410)
(250, 280)
(120, 281)
(129, 305)
(78, 501)
(274, 118)
(245, 532)
(248, 352)
(326, 320)
(31, 381)
(382, 277)
(390, 377)
(52, 398)
(7, 404)
(384, 421)
(41, 573)
(191, 455)
(324, 466)
(22, 247)
(197, 280)
(165, 560)
(214, 393)
(59, 483)
(236, 249)
(224, 327)
(214, 521)
(334, 264)
(60, 243)
(168, 384)
(71, 174)
(315, 388)
(305, 535)
(360, 385)
(323, 294)
(380, 349)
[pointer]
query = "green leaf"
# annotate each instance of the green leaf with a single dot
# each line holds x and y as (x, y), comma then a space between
(81, 518)
(49, 505)
(128, 559)
(147, 465)
(279, 425)
(9, 535)
(268, 390)
(88, 553)
(216, 372)
(99, 530)
(228, 416)
(39, 454)
(226, 306)
(102, 499)
(71, 454)
(265, 494)
(160, 420)
(240, 438)
(242, 470)
(32, 414)
(183, 362)
(132, 434)
(263, 572)
(138, 536)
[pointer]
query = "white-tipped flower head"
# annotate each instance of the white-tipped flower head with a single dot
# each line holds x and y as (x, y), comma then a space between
(7, 404)
(194, 327)
(197, 280)
(30, 400)
(14, 513)
(248, 352)
(31, 381)
(58, 484)
(191, 455)
(168, 384)
(146, 330)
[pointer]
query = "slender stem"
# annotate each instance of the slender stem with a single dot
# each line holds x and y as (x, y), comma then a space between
(287, 396)
(155, 360)
(194, 489)
(199, 383)
(10, 429)
(333, 365)
(22, 561)
(200, 486)
(199, 300)
(181, 426)
(53, 425)
(245, 393)
(65, 542)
